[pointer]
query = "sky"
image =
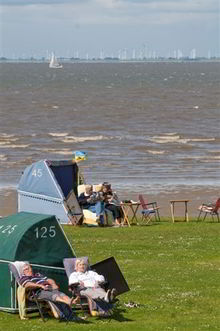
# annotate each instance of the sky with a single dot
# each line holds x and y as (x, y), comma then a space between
(101, 28)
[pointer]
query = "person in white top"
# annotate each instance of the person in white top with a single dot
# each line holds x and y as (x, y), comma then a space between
(89, 285)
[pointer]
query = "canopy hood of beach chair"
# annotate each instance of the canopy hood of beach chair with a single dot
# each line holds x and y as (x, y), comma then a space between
(50, 187)
(36, 238)
(50, 178)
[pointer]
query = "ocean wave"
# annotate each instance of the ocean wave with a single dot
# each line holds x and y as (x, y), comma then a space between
(71, 139)
(5, 135)
(203, 158)
(202, 139)
(15, 146)
(63, 151)
(3, 157)
(172, 138)
(155, 152)
(7, 186)
(166, 139)
(8, 141)
(57, 134)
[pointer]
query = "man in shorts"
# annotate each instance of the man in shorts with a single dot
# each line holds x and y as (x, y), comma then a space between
(48, 289)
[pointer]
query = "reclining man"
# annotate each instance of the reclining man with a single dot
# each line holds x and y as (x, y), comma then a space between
(48, 289)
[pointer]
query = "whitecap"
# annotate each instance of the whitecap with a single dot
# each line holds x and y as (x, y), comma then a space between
(202, 139)
(57, 134)
(155, 152)
(171, 133)
(165, 139)
(7, 141)
(5, 135)
(204, 158)
(172, 138)
(3, 157)
(63, 152)
(14, 146)
(71, 139)
(184, 141)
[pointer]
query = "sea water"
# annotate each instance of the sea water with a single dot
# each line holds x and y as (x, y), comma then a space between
(145, 126)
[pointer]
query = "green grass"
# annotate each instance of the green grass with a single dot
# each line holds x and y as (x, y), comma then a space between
(173, 271)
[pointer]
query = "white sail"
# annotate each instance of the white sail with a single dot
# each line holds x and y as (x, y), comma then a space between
(54, 63)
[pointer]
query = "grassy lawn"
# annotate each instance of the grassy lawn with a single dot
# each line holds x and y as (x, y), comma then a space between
(173, 271)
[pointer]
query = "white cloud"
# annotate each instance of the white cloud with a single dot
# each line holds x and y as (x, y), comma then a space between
(131, 22)
(117, 11)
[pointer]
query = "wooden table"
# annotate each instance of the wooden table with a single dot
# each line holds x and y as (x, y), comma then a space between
(172, 204)
(129, 207)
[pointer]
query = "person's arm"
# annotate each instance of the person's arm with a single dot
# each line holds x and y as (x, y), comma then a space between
(34, 285)
(98, 278)
(82, 199)
(73, 279)
(53, 284)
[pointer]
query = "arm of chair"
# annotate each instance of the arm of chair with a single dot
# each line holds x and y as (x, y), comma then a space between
(21, 296)
(209, 204)
(153, 204)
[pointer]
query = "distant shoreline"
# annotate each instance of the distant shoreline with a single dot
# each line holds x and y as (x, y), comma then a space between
(109, 60)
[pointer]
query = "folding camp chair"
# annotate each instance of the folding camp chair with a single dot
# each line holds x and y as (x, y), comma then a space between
(23, 296)
(147, 212)
(211, 209)
(69, 265)
(28, 301)
(86, 302)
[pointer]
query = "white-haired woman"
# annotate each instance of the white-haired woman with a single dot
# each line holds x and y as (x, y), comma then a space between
(89, 285)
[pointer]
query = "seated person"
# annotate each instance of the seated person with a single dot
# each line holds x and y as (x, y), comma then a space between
(207, 206)
(112, 203)
(92, 201)
(48, 289)
(89, 285)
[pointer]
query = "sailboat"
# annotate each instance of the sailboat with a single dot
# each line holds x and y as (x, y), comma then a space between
(54, 63)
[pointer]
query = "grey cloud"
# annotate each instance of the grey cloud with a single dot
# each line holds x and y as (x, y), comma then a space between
(124, 6)
(38, 2)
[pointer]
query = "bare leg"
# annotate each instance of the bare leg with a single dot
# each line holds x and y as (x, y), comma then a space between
(64, 299)
(118, 221)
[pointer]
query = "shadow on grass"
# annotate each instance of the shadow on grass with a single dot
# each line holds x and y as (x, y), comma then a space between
(118, 315)
(48, 317)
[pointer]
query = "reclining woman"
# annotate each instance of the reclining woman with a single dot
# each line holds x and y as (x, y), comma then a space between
(112, 203)
(88, 284)
(93, 201)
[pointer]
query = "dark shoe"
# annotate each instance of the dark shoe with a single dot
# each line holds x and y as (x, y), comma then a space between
(102, 221)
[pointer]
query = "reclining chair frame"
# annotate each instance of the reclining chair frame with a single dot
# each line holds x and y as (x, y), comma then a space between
(32, 297)
(211, 209)
(147, 212)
